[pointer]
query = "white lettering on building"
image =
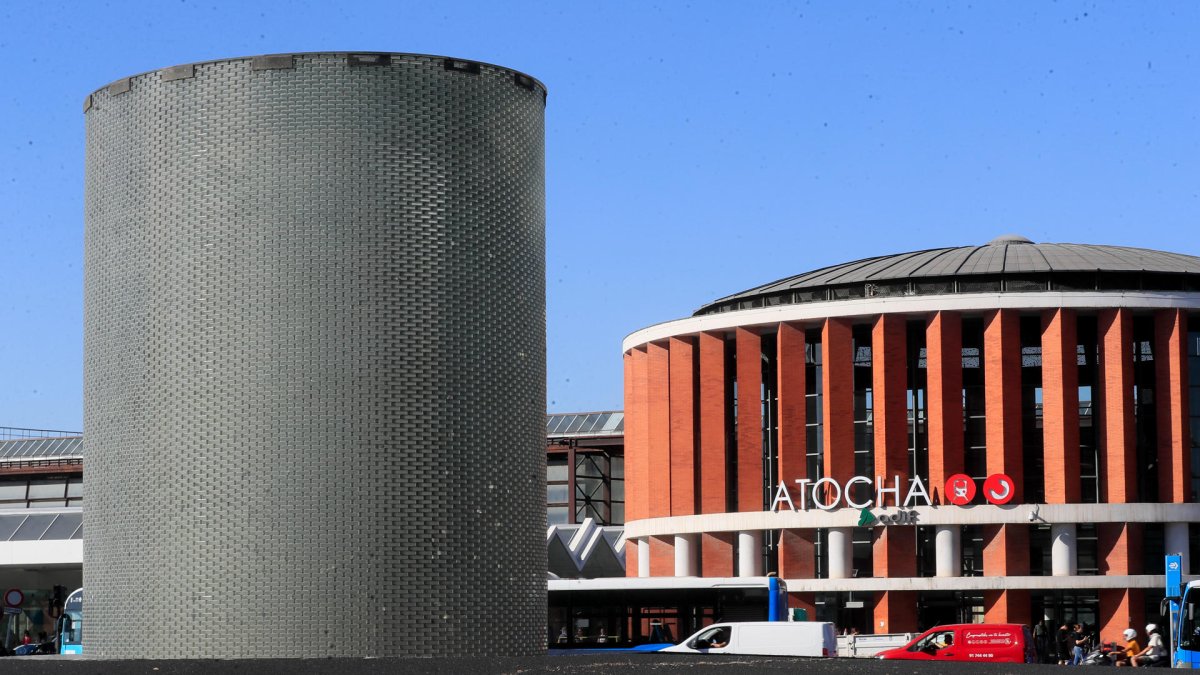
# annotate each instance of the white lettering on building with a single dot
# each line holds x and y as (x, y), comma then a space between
(827, 494)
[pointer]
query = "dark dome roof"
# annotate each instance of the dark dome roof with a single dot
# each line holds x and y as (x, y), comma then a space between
(1007, 263)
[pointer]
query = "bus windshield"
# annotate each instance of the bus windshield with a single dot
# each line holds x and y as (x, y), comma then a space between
(70, 627)
(1189, 620)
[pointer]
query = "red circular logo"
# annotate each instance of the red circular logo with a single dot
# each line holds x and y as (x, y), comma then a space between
(999, 489)
(960, 489)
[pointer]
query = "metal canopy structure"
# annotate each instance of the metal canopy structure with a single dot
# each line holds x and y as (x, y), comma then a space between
(585, 424)
(1010, 263)
(70, 447)
(26, 526)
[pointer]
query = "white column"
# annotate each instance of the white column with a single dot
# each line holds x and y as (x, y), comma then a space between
(1063, 557)
(750, 557)
(947, 540)
(643, 557)
(686, 555)
(841, 552)
(1175, 536)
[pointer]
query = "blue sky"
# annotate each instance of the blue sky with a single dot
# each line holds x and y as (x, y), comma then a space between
(693, 149)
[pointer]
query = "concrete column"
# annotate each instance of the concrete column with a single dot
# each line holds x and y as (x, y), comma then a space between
(1063, 555)
(750, 559)
(643, 557)
(1176, 541)
(841, 552)
(686, 555)
(948, 547)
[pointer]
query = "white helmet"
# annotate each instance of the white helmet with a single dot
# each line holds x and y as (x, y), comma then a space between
(1151, 627)
(1129, 633)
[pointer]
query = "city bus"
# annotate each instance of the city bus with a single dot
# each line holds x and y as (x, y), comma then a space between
(1186, 637)
(624, 612)
(70, 625)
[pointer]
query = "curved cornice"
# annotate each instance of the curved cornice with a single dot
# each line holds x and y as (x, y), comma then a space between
(920, 304)
(982, 514)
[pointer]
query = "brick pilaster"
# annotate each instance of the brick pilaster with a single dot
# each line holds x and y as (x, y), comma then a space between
(637, 469)
(838, 393)
(1002, 385)
(1119, 548)
(943, 371)
(749, 421)
(1120, 609)
(894, 548)
(631, 552)
(712, 423)
(683, 364)
(1118, 452)
(1171, 387)
(1011, 606)
(659, 432)
(895, 612)
(662, 556)
(793, 437)
(716, 554)
(796, 551)
(1060, 406)
(1005, 550)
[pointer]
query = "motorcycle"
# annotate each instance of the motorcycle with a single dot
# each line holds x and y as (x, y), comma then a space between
(1102, 654)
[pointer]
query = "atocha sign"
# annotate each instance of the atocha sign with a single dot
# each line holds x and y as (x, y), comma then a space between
(828, 494)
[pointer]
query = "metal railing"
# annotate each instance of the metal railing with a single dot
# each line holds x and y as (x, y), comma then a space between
(17, 433)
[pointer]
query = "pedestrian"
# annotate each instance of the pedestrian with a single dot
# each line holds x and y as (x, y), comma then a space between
(1063, 650)
(1079, 640)
(1039, 640)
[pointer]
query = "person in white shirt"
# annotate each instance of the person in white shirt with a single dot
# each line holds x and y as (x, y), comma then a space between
(1154, 651)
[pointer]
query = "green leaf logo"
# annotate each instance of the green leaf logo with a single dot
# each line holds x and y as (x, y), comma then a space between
(866, 518)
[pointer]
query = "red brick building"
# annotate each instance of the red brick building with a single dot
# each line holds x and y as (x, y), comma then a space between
(994, 433)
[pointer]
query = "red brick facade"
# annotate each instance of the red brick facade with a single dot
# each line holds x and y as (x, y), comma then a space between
(683, 456)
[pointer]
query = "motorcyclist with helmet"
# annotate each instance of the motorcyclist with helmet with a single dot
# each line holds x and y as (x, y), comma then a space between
(1124, 657)
(1154, 652)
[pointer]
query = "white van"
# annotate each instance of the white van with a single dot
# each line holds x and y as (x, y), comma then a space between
(764, 638)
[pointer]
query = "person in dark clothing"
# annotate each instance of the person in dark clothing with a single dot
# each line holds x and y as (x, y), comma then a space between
(1039, 640)
(1063, 648)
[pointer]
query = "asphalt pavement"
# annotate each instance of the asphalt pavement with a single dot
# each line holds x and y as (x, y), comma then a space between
(583, 664)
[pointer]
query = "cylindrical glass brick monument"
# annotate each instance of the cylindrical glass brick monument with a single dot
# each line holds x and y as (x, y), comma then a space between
(315, 359)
